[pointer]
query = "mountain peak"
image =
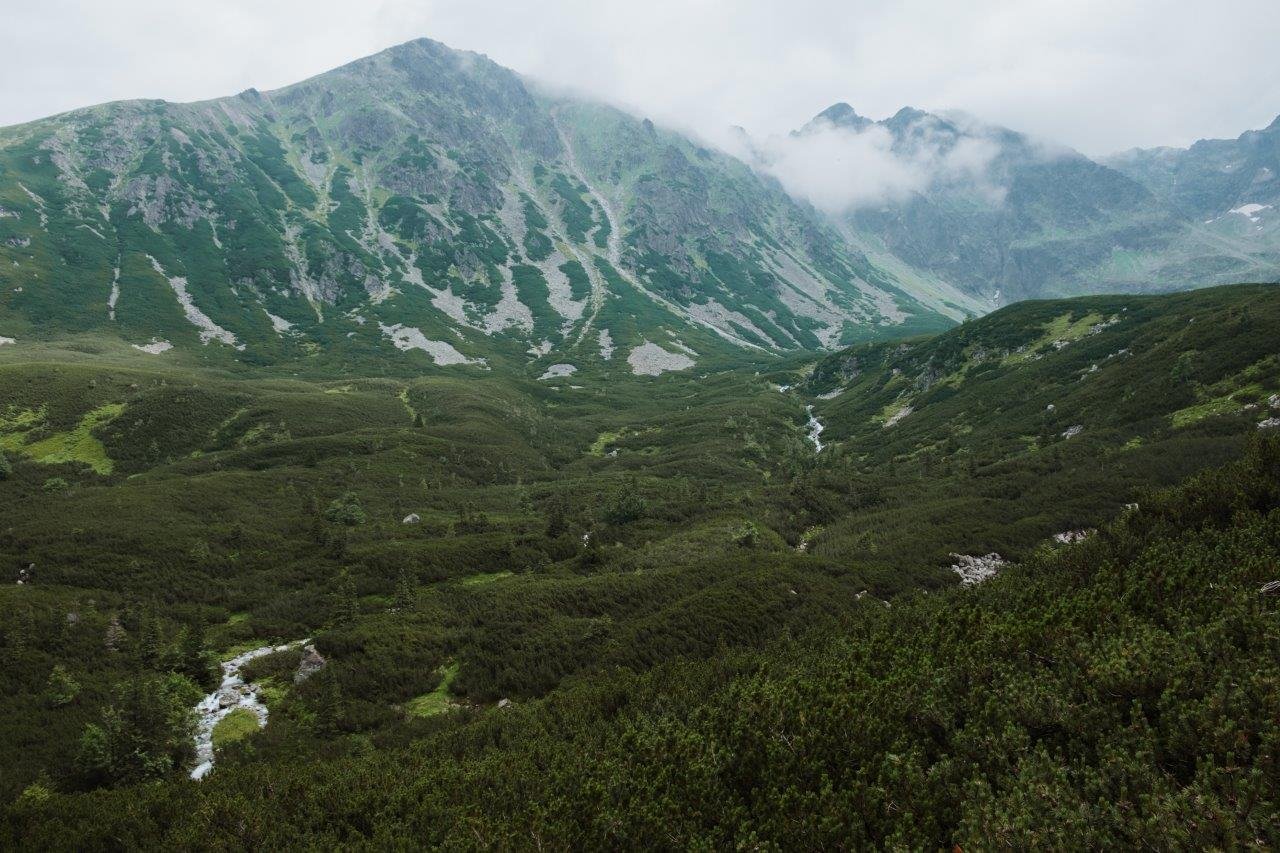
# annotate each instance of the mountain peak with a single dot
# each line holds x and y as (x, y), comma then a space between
(842, 115)
(907, 116)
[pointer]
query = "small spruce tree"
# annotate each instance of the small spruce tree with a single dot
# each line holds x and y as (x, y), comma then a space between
(61, 688)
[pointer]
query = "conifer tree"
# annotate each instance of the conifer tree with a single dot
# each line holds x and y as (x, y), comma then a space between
(61, 688)
(115, 634)
(347, 606)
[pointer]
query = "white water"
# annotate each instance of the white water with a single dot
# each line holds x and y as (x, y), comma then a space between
(815, 430)
(233, 693)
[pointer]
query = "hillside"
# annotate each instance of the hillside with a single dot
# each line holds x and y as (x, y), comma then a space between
(422, 206)
(1118, 692)
(1002, 216)
(1050, 412)
(426, 208)
(375, 449)
(460, 548)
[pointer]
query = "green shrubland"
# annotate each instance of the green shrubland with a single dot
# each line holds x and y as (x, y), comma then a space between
(708, 634)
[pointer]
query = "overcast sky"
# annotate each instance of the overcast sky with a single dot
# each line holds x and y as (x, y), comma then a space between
(1100, 75)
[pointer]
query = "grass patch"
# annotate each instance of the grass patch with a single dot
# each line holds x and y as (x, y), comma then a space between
(603, 440)
(235, 726)
(78, 445)
(1060, 328)
(404, 398)
(484, 579)
(1200, 411)
(438, 700)
(270, 691)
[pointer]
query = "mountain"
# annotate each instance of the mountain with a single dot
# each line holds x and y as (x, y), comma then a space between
(1215, 178)
(426, 205)
(1004, 217)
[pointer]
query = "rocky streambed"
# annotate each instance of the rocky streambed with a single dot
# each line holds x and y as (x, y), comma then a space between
(231, 694)
(815, 430)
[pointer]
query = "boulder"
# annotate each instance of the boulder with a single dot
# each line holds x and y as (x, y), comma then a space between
(1071, 537)
(411, 518)
(311, 663)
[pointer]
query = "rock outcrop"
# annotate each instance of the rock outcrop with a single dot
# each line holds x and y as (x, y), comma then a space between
(311, 663)
(974, 570)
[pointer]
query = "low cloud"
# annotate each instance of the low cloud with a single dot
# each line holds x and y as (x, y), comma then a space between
(839, 169)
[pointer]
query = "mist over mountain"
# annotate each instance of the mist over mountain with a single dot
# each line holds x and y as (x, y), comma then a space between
(419, 456)
(431, 202)
(1003, 217)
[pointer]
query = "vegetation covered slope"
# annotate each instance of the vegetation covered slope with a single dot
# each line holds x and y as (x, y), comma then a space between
(1041, 417)
(421, 200)
(1120, 692)
(448, 543)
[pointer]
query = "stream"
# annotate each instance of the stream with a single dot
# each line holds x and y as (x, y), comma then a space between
(231, 694)
(815, 430)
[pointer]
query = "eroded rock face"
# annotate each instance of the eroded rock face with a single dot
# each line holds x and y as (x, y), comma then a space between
(312, 662)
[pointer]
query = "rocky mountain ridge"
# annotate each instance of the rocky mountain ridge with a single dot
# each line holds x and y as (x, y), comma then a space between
(423, 200)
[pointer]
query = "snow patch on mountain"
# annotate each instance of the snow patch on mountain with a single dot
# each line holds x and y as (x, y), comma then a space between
(1250, 210)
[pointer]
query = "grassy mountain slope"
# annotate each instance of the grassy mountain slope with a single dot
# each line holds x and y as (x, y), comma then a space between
(1048, 413)
(560, 534)
(422, 201)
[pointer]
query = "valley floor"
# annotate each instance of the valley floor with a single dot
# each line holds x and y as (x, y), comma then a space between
(703, 583)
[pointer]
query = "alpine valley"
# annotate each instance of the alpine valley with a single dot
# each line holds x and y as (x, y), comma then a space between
(418, 457)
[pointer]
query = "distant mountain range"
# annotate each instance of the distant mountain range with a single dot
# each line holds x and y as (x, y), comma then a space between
(428, 204)
(1003, 217)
